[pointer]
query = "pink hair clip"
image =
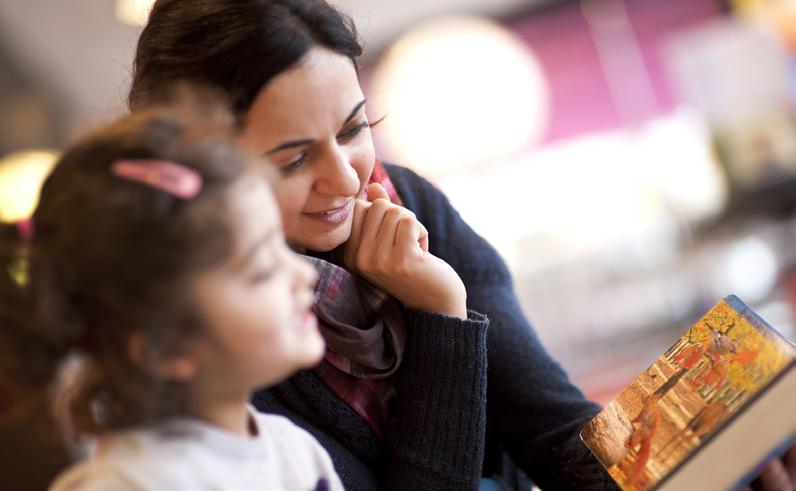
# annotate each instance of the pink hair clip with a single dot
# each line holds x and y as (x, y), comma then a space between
(171, 177)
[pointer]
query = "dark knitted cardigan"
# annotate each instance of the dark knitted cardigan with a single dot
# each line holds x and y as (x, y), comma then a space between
(533, 413)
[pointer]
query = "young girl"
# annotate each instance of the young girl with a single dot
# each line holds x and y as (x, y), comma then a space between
(157, 264)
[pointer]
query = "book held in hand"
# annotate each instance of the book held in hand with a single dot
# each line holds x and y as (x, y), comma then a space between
(708, 413)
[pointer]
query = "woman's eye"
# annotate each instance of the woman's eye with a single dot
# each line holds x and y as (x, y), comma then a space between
(294, 165)
(353, 131)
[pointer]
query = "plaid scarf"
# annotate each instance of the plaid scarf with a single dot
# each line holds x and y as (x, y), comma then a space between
(379, 175)
(365, 335)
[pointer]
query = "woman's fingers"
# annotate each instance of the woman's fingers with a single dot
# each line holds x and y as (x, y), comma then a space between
(362, 204)
(373, 231)
(352, 245)
(383, 252)
(789, 459)
(423, 238)
(371, 226)
(385, 255)
(377, 191)
(385, 237)
(773, 477)
(407, 234)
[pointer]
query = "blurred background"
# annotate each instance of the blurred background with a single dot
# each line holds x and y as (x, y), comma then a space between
(634, 161)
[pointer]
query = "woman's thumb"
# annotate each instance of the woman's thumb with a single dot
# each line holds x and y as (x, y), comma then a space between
(376, 191)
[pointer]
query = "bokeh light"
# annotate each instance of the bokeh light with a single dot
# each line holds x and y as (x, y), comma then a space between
(133, 12)
(21, 176)
(457, 92)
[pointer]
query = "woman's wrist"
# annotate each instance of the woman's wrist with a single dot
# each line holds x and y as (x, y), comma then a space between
(458, 310)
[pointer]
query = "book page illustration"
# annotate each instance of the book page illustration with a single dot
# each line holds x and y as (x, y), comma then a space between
(686, 395)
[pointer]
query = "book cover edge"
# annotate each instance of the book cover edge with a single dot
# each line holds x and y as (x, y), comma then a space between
(753, 318)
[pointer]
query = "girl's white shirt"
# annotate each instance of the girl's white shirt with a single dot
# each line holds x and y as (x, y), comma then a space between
(188, 453)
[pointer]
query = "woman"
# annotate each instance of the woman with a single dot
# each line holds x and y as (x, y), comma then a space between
(414, 417)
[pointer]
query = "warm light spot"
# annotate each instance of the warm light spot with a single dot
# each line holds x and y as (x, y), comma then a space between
(750, 269)
(458, 92)
(133, 12)
(21, 176)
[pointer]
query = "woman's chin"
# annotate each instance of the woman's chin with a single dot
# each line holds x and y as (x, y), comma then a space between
(322, 242)
(325, 246)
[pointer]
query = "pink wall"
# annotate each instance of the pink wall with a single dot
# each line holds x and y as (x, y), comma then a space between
(581, 99)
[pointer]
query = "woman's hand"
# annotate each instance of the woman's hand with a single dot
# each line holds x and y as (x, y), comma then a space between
(389, 247)
(778, 475)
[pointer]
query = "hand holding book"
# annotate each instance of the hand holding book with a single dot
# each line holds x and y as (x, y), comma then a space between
(778, 475)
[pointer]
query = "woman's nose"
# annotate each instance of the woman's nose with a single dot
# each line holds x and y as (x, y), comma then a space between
(336, 176)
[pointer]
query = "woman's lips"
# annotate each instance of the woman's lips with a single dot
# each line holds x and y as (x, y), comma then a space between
(335, 216)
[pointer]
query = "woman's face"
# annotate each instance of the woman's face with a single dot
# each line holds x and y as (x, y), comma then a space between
(310, 121)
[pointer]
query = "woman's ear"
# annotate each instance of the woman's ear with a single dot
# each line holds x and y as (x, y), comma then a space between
(176, 368)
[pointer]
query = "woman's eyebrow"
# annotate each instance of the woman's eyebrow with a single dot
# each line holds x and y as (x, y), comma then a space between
(354, 111)
(308, 141)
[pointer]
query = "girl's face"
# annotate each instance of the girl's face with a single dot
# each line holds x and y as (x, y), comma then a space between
(310, 121)
(257, 305)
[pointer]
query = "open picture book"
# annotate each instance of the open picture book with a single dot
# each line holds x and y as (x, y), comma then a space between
(708, 413)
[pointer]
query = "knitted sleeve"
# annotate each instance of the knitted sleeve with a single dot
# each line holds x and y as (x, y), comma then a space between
(437, 437)
(533, 410)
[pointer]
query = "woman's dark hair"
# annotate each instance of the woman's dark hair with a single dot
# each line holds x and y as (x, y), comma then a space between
(110, 259)
(235, 46)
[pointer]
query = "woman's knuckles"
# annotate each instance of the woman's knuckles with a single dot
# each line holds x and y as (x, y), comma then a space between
(379, 205)
(395, 212)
